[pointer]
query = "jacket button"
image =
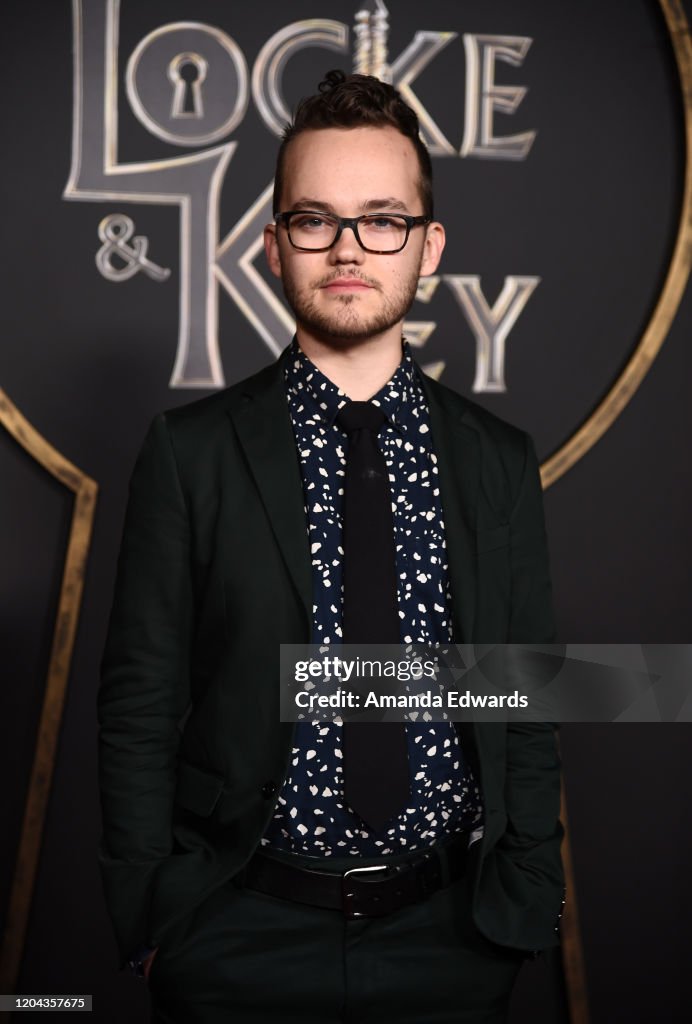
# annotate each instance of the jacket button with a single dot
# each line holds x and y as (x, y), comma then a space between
(268, 789)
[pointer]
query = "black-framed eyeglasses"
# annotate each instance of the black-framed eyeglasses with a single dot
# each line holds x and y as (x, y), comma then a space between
(378, 233)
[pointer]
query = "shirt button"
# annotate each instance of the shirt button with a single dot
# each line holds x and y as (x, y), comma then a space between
(268, 789)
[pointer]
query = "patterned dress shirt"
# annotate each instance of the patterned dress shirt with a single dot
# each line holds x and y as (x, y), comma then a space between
(312, 817)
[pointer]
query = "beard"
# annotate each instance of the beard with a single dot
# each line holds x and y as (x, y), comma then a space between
(344, 319)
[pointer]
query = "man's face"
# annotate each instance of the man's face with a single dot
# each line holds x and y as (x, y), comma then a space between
(347, 293)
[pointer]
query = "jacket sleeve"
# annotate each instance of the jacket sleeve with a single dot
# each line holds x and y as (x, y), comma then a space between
(144, 686)
(533, 835)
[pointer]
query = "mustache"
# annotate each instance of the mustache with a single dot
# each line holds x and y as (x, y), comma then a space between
(346, 275)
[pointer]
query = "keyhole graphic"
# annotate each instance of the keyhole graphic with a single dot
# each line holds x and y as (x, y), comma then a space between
(186, 72)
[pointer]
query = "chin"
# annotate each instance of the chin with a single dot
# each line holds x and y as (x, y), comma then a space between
(350, 326)
(331, 332)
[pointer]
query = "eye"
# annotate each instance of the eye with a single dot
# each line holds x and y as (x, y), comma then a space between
(310, 222)
(383, 222)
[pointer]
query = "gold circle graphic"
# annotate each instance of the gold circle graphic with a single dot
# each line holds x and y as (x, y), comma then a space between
(608, 410)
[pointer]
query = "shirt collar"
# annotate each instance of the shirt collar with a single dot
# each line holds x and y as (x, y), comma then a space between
(323, 399)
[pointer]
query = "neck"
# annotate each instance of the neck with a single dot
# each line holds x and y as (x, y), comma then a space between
(358, 368)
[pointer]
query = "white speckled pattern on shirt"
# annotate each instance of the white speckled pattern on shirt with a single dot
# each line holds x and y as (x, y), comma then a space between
(311, 816)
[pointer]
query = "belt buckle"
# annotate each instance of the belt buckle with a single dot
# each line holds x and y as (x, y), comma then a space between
(349, 896)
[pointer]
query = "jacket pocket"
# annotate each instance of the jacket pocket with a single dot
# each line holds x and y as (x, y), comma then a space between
(197, 790)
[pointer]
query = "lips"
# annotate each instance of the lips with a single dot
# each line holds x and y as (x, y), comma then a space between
(346, 284)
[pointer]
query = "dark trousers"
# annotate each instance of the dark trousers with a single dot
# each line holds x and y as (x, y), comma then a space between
(247, 957)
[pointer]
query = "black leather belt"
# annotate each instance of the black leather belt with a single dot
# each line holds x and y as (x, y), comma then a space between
(372, 891)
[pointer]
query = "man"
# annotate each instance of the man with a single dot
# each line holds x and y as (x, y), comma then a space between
(230, 838)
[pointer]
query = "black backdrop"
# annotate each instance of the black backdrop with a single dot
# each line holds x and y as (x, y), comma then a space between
(592, 211)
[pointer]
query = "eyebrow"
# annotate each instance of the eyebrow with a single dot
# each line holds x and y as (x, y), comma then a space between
(390, 203)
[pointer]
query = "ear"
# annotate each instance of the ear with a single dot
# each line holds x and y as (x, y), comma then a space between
(432, 248)
(271, 249)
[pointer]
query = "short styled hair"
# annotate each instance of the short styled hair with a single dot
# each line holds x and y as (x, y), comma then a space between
(356, 101)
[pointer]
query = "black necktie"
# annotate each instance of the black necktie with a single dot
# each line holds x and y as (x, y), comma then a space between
(376, 778)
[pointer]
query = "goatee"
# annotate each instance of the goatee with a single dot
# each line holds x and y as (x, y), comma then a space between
(345, 319)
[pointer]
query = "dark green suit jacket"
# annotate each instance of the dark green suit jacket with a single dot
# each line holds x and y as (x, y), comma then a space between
(214, 574)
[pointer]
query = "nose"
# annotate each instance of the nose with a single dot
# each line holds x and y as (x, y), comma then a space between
(346, 249)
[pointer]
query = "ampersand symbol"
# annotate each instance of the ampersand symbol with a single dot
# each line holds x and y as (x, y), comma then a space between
(115, 231)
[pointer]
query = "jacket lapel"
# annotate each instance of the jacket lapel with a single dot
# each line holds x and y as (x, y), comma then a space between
(263, 426)
(457, 447)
